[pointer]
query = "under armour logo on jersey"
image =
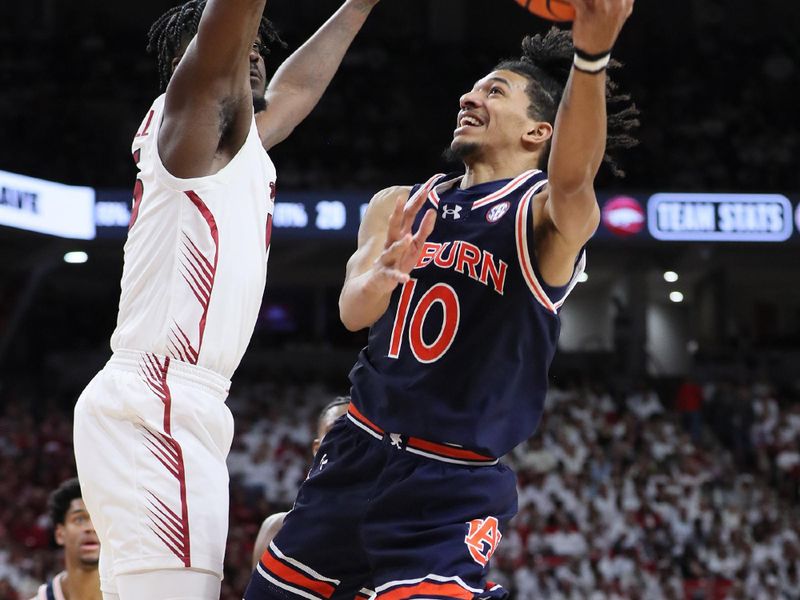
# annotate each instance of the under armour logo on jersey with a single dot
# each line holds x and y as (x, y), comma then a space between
(397, 440)
(483, 538)
(323, 461)
(452, 211)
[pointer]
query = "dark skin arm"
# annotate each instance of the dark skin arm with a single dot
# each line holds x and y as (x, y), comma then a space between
(300, 81)
(209, 102)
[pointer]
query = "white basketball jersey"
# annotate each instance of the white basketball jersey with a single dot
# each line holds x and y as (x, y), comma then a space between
(196, 255)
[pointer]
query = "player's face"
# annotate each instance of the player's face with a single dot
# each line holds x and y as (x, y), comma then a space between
(77, 535)
(493, 116)
(258, 69)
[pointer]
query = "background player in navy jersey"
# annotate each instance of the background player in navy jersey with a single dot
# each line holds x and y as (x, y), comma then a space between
(273, 523)
(460, 281)
(73, 531)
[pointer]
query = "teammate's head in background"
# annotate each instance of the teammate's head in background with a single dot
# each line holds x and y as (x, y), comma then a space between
(327, 417)
(511, 111)
(170, 35)
(73, 526)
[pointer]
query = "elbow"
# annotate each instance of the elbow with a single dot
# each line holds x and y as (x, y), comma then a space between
(349, 323)
(349, 317)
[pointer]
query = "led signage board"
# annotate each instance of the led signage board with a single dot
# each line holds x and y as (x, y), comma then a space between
(720, 217)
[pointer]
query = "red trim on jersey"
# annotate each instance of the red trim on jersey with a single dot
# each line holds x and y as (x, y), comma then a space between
(212, 226)
(269, 230)
(427, 589)
(445, 450)
(148, 121)
(505, 190)
(294, 576)
(364, 420)
(523, 252)
(169, 527)
(428, 190)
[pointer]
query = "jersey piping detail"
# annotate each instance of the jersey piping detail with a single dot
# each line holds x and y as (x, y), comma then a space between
(523, 250)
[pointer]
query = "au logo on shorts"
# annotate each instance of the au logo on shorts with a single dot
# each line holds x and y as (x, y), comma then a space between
(483, 538)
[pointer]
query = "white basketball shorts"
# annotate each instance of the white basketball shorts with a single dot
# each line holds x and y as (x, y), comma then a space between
(151, 438)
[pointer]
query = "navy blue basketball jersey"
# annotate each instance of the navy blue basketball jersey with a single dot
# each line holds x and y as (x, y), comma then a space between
(462, 354)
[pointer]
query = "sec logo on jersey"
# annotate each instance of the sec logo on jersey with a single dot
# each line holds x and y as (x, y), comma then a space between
(497, 212)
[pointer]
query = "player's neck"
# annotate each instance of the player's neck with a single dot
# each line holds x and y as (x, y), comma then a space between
(82, 584)
(484, 172)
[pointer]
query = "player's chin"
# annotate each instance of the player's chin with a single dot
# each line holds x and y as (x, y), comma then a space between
(90, 559)
(259, 101)
(461, 149)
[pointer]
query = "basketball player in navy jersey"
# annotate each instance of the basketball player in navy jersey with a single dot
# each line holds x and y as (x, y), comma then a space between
(73, 530)
(460, 280)
(152, 430)
(273, 523)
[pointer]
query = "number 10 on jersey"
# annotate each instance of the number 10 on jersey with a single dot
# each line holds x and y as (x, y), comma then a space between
(441, 294)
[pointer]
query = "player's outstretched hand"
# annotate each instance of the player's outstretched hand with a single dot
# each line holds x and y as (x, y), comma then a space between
(403, 247)
(598, 22)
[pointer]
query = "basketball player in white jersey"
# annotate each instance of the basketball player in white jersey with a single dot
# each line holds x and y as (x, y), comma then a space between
(152, 430)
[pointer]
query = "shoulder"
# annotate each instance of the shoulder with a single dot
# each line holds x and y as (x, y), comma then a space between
(390, 195)
(383, 203)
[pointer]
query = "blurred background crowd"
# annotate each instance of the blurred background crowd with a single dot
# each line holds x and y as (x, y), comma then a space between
(687, 491)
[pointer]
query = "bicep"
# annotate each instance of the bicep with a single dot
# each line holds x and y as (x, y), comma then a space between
(574, 216)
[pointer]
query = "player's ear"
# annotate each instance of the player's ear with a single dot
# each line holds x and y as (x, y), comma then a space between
(537, 134)
(315, 446)
(175, 62)
(59, 534)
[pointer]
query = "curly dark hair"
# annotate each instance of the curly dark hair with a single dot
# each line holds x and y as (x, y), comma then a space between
(165, 35)
(59, 501)
(546, 62)
(338, 401)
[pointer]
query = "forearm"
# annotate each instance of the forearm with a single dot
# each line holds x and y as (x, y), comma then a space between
(360, 303)
(307, 73)
(225, 35)
(579, 139)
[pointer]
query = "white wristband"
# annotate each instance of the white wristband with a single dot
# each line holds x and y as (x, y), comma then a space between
(591, 66)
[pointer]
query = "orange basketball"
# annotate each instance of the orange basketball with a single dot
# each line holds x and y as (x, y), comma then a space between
(553, 10)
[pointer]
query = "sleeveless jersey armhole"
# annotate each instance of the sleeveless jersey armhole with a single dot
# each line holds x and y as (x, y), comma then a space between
(550, 297)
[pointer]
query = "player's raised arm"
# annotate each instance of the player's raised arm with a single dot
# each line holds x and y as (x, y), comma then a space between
(300, 82)
(579, 140)
(387, 252)
(209, 104)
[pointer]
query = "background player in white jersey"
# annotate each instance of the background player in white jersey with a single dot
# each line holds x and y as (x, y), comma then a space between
(273, 523)
(73, 530)
(152, 430)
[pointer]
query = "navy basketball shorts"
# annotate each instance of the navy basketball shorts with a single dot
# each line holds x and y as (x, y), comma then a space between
(389, 517)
